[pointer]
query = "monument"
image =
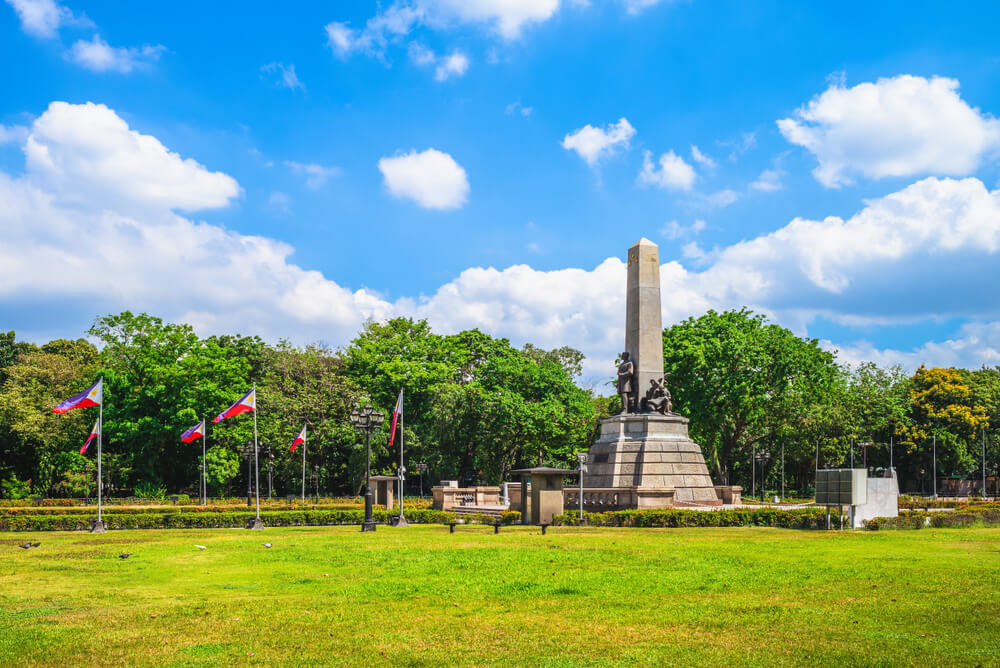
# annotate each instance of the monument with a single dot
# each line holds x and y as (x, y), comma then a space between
(644, 457)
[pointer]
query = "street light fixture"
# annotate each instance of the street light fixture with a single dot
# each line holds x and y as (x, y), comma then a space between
(367, 421)
(761, 456)
(421, 469)
(581, 458)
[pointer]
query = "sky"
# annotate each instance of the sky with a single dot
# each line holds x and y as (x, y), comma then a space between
(295, 171)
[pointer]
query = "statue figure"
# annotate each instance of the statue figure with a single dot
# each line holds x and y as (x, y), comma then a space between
(626, 375)
(658, 398)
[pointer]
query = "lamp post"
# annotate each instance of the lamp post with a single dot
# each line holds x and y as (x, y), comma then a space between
(762, 456)
(581, 458)
(366, 421)
(422, 469)
(248, 451)
(270, 464)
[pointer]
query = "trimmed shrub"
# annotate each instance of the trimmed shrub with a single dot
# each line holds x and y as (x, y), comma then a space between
(800, 518)
(191, 520)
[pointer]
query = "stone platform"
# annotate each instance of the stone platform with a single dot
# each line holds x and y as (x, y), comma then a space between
(650, 451)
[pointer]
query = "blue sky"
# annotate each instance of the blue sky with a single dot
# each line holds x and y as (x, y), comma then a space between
(292, 172)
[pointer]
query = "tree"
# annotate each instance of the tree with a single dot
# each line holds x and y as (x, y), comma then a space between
(38, 445)
(743, 383)
(159, 380)
(943, 409)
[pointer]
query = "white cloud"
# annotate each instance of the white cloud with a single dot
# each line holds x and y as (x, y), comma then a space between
(280, 202)
(768, 181)
(98, 56)
(902, 126)
(43, 18)
(87, 154)
(316, 175)
(517, 107)
(926, 251)
(673, 173)
(453, 65)
(286, 76)
(673, 230)
(701, 158)
(592, 144)
(421, 55)
(507, 17)
(635, 7)
(430, 178)
(13, 134)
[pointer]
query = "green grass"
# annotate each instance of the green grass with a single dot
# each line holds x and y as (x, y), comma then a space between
(577, 596)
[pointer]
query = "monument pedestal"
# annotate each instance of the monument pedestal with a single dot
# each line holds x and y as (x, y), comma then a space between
(647, 455)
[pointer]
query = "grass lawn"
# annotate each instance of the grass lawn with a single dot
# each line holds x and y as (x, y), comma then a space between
(577, 596)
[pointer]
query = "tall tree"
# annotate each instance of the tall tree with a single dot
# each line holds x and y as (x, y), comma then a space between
(743, 383)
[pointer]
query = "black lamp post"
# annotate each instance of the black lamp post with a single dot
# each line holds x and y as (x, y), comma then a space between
(270, 465)
(422, 469)
(762, 456)
(248, 456)
(366, 421)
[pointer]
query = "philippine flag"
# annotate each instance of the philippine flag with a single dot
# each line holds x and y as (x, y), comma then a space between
(397, 413)
(247, 403)
(194, 432)
(93, 434)
(90, 397)
(301, 438)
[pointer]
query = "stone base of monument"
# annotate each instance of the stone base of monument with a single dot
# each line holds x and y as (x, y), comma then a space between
(649, 461)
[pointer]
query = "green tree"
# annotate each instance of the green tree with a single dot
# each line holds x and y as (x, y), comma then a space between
(744, 384)
(160, 378)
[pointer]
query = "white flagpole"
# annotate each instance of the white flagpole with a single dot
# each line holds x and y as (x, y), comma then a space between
(204, 463)
(256, 468)
(303, 469)
(100, 437)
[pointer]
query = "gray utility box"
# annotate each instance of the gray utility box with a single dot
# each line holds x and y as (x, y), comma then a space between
(841, 487)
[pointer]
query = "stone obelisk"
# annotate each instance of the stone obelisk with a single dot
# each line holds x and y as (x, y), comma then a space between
(644, 458)
(643, 316)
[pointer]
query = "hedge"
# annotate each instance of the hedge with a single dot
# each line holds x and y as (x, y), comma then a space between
(986, 515)
(141, 510)
(182, 520)
(800, 518)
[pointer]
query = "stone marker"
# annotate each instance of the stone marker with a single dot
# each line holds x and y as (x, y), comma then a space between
(644, 457)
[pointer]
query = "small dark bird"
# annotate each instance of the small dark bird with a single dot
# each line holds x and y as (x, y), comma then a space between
(25, 546)
(126, 555)
(35, 544)
(267, 545)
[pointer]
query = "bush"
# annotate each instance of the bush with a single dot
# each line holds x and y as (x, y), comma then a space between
(149, 490)
(977, 515)
(194, 520)
(801, 518)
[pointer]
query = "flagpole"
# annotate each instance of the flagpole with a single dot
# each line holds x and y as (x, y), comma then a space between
(256, 467)
(303, 468)
(401, 522)
(100, 437)
(204, 464)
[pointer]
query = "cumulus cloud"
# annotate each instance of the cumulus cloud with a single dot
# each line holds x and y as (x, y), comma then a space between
(701, 158)
(507, 18)
(926, 251)
(453, 65)
(902, 126)
(13, 134)
(283, 75)
(98, 56)
(673, 172)
(86, 153)
(768, 181)
(635, 7)
(517, 107)
(592, 144)
(316, 175)
(430, 178)
(673, 230)
(43, 18)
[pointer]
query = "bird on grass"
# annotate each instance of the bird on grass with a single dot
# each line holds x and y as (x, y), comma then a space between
(125, 555)
(35, 544)
(201, 547)
(267, 545)
(25, 546)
